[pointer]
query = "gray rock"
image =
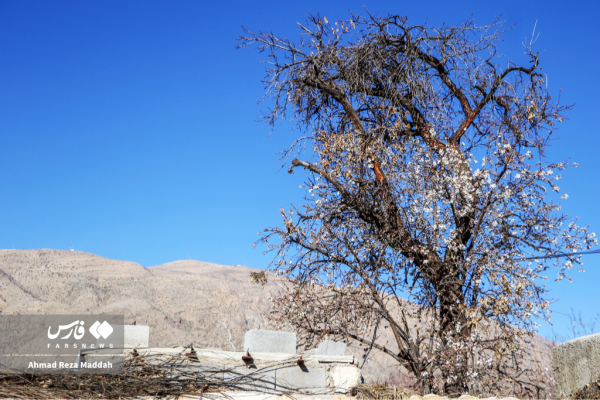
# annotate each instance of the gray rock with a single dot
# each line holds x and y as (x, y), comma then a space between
(270, 341)
(306, 379)
(136, 336)
(250, 379)
(329, 348)
(343, 378)
(576, 363)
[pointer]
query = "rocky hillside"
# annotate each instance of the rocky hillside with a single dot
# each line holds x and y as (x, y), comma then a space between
(183, 301)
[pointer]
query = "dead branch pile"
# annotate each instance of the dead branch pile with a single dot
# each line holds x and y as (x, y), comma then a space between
(155, 375)
(380, 391)
(589, 391)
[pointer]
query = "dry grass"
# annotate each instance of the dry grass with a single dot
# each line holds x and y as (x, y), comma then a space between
(589, 391)
(158, 375)
(380, 391)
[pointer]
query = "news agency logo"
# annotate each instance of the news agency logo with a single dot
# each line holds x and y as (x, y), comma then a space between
(73, 336)
(97, 329)
(45, 337)
(101, 329)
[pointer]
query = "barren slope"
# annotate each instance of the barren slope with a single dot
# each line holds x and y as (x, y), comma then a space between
(182, 302)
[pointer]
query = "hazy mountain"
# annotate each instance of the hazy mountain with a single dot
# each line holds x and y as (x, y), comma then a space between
(182, 302)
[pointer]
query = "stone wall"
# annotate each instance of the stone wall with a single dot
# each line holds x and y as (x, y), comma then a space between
(326, 370)
(576, 363)
(269, 358)
(264, 396)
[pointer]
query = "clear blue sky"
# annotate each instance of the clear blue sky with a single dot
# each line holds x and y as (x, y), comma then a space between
(127, 128)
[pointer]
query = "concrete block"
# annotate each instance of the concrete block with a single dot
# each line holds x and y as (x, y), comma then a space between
(321, 397)
(136, 336)
(270, 341)
(330, 348)
(253, 379)
(295, 377)
(233, 395)
(210, 372)
(576, 363)
(342, 379)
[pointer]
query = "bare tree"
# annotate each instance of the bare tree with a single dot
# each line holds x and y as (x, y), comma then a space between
(577, 326)
(427, 180)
